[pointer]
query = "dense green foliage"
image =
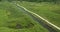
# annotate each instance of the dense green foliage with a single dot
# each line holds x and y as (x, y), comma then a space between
(34, 0)
(41, 0)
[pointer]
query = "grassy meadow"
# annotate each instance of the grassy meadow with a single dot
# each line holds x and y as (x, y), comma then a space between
(47, 10)
(14, 20)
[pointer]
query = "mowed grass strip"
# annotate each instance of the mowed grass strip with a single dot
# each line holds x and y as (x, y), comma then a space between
(49, 11)
(13, 20)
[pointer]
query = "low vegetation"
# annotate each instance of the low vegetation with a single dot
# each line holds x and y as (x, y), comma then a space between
(49, 11)
(13, 19)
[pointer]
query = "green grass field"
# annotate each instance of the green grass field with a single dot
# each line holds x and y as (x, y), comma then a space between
(13, 20)
(49, 11)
